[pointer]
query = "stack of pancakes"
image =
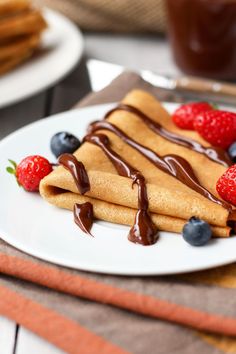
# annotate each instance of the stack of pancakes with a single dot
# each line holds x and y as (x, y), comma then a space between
(20, 28)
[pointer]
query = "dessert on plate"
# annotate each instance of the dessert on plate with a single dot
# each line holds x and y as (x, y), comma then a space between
(21, 27)
(136, 167)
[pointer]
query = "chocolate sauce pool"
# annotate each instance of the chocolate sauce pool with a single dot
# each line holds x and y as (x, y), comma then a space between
(83, 216)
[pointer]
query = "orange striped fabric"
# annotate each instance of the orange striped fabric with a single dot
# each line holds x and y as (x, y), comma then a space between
(97, 291)
(59, 330)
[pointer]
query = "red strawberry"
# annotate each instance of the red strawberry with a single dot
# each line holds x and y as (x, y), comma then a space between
(184, 116)
(217, 127)
(30, 171)
(226, 185)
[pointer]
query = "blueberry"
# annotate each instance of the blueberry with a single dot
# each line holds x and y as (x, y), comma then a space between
(232, 152)
(63, 142)
(196, 232)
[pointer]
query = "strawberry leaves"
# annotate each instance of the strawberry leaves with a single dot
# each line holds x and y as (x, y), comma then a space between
(12, 169)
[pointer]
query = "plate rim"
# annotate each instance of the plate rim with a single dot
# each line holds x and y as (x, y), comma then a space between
(93, 268)
(77, 57)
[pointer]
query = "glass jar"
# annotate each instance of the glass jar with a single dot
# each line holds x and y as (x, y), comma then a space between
(202, 34)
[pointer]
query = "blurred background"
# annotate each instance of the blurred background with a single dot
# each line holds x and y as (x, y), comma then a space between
(131, 33)
(169, 37)
(201, 32)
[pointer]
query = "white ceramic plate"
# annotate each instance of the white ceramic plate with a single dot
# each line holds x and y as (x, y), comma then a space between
(32, 225)
(62, 47)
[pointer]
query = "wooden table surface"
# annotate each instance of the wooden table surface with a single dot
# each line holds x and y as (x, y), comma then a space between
(134, 52)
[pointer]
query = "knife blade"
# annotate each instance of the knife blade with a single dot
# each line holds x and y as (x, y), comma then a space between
(188, 87)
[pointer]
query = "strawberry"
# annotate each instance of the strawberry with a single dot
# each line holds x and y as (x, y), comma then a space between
(217, 127)
(226, 185)
(30, 171)
(184, 116)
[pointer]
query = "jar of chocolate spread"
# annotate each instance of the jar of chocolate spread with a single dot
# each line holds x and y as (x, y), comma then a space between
(203, 36)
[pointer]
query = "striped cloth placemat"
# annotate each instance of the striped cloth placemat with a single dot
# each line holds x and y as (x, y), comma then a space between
(82, 312)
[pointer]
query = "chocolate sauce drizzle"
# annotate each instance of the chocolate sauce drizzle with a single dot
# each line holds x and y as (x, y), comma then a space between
(83, 213)
(174, 165)
(83, 216)
(143, 231)
(77, 170)
(213, 153)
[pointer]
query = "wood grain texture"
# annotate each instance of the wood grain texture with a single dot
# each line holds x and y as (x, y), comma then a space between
(7, 335)
(29, 343)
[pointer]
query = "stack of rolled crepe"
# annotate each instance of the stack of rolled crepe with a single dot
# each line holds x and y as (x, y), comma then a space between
(171, 202)
(20, 30)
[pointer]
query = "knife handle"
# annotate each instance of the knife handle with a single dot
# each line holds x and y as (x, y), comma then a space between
(205, 86)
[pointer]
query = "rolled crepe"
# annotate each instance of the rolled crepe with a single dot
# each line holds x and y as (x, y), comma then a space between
(171, 202)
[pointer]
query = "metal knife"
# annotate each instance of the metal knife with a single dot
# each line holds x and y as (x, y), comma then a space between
(188, 87)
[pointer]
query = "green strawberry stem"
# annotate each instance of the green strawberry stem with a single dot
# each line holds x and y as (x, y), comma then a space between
(12, 169)
(214, 105)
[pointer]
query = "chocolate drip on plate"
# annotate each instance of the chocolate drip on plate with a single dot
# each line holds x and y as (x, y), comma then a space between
(77, 170)
(215, 154)
(174, 165)
(143, 231)
(83, 216)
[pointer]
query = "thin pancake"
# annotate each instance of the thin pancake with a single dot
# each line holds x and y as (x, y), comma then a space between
(120, 214)
(168, 197)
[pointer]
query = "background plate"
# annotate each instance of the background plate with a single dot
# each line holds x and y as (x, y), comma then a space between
(32, 225)
(62, 47)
